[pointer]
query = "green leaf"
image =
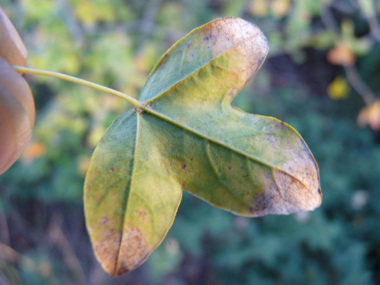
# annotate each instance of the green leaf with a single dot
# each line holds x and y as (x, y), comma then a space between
(187, 136)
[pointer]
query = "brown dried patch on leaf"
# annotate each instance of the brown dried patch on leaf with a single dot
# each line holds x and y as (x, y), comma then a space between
(298, 181)
(241, 37)
(295, 188)
(12, 48)
(107, 250)
(133, 251)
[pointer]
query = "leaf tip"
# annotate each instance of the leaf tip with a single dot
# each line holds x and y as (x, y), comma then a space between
(298, 182)
(120, 253)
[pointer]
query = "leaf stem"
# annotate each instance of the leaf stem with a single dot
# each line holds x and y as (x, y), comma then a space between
(137, 104)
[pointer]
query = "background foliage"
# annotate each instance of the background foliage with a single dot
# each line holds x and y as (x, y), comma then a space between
(322, 70)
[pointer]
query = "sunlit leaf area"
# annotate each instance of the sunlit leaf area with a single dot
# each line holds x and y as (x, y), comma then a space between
(320, 77)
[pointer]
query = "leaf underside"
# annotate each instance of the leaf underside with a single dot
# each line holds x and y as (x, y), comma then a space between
(192, 139)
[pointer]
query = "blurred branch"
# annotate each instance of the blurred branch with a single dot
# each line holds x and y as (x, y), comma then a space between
(4, 280)
(374, 26)
(71, 23)
(9, 254)
(59, 239)
(372, 20)
(147, 22)
(4, 231)
(328, 20)
(352, 74)
(359, 85)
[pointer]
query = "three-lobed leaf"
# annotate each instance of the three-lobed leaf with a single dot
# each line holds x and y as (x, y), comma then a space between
(188, 137)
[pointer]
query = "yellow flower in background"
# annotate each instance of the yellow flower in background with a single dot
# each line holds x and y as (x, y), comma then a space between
(338, 89)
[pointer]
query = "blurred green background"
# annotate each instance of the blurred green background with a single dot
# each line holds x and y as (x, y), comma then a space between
(321, 76)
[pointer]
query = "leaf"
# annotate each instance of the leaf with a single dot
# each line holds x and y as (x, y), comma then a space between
(370, 115)
(341, 54)
(280, 8)
(188, 137)
(258, 8)
(12, 48)
(17, 114)
(33, 151)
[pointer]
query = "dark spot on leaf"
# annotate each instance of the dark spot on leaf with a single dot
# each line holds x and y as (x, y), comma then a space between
(245, 176)
(104, 221)
(183, 166)
(101, 140)
(142, 214)
(189, 45)
(191, 159)
(112, 169)
(242, 167)
(229, 167)
(166, 55)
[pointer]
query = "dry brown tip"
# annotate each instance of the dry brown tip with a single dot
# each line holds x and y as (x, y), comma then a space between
(107, 251)
(119, 254)
(295, 188)
(133, 251)
(298, 181)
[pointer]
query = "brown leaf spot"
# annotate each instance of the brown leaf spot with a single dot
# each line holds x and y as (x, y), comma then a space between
(183, 166)
(104, 221)
(142, 214)
(112, 169)
(133, 251)
(181, 118)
